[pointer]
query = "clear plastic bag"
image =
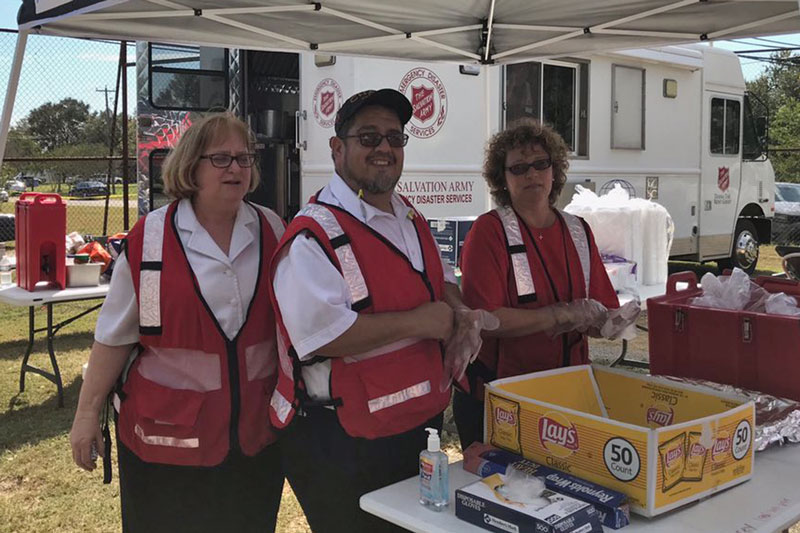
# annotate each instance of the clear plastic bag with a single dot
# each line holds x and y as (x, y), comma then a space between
(782, 304)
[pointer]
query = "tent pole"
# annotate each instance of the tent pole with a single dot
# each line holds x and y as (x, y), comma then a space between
(11, 94)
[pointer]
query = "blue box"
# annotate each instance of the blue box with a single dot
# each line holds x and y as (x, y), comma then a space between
(449, 234)
(484, 504)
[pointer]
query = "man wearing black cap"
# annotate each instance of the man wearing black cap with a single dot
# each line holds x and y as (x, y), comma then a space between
(364, 304)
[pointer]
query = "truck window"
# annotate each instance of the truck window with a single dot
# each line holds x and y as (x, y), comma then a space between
(725, 121)
(556, 93)
(751, 143)
(188, 78)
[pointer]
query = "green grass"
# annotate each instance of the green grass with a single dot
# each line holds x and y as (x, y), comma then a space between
(40, 487)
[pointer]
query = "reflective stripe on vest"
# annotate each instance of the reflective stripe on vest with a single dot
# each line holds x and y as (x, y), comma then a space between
(578, 233)
(150, 273)
(526, 290)
(359, 294)
(280, 406)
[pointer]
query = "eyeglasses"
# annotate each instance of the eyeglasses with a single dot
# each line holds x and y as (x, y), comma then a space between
(372, 139)
(520, 169)
(225, 160)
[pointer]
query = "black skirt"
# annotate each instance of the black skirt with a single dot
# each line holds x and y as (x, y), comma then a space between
(241, 494)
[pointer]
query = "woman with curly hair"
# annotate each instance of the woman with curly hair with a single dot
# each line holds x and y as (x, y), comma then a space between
(536, 268)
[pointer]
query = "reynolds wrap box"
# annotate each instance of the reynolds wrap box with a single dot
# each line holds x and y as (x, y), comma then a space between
(611, 506)
(485, 504)
(661, 443)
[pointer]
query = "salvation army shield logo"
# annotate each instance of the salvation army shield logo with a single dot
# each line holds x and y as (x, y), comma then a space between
(723, 178)
(326, 102)
(426, 92)
(422, 102)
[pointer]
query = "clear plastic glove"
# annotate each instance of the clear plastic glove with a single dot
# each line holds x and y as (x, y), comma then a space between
(578, 315)
(520, 487)
(620, 321)
(464, 344)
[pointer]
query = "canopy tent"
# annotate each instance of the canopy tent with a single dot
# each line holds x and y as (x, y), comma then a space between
(462, 31)
(485, 31)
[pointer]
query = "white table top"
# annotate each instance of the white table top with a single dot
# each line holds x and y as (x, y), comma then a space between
(22, 298)
(768, 502)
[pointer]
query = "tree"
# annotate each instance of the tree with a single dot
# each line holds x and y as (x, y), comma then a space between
(779, 88)
(57, 124)
(785, 132)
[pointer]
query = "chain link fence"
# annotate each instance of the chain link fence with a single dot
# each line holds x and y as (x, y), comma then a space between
(773, 73)
(66, 131)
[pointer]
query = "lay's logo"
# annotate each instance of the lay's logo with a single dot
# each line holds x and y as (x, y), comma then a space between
(721, 447)
(505, 416)
(697, 450)
(558, 435)
(660, 416)
(673, 455)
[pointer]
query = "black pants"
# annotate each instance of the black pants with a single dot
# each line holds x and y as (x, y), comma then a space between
(468, 415)
(330, 470)
(242, 494)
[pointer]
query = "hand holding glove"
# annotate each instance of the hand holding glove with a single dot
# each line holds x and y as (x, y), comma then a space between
(463, 346)
(578, 315)
(619, 320)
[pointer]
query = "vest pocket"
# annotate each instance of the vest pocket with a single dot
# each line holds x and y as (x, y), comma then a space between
(165, 416)
(402, 386)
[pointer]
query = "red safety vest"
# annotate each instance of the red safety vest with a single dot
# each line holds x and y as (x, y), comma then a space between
(386, 391)
(192, 395)
(532, 353)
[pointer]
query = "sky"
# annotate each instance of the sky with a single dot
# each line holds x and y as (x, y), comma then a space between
(100, 63)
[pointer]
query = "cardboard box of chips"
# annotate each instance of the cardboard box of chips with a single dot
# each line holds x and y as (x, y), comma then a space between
(661, 442)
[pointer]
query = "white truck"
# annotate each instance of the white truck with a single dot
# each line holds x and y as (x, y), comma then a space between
(671, 124)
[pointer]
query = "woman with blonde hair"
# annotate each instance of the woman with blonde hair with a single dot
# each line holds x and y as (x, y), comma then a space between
(537, 269)
(188, 310)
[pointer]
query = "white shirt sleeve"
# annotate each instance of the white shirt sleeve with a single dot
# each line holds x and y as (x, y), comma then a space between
(313, 297)
(118, 322)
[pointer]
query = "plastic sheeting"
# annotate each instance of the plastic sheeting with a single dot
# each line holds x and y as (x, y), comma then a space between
(635, 229)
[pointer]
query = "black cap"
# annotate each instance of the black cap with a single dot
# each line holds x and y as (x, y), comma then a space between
(388, 98)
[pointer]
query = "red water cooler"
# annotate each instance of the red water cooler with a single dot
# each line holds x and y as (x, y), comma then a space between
(41, 227)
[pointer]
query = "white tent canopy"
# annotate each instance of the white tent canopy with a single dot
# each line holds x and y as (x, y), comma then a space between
(462, 31)
(429, 30)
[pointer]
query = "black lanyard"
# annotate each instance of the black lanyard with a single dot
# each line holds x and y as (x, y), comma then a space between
(544, 264)
(566, 345)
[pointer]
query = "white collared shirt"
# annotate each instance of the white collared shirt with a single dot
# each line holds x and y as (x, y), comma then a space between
(227, 282)
(312, 294)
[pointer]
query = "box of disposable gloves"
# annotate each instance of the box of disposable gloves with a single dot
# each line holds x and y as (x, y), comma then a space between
(521, 503)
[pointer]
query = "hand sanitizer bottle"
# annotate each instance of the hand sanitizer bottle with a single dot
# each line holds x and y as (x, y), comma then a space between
(434, 485)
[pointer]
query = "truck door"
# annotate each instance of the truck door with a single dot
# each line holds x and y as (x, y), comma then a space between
(721, 169)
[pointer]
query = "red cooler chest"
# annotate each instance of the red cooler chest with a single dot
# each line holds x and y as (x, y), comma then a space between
(41, 227)
(750, 350)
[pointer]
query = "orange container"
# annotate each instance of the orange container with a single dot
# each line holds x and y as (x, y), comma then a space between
(41, 226)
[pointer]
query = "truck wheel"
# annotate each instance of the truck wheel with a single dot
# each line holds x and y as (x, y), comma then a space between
(745, 248)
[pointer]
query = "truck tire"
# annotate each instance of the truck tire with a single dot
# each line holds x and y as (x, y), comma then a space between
(744, 254)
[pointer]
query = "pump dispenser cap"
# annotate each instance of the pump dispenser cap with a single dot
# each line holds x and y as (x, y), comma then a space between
(434, 444)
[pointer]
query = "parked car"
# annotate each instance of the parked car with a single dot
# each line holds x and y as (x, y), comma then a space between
(15, 187)
(786, 224)
(29, 181)
(3, 196)
(89, 188)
